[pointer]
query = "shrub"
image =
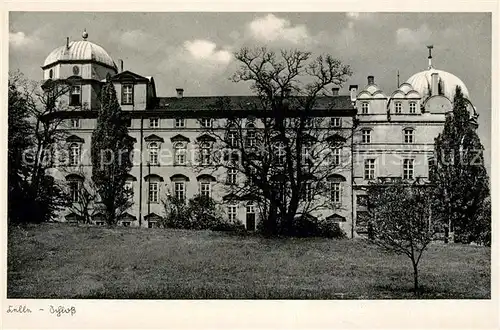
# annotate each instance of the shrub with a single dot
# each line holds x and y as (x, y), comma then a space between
(308, 226)
(229, 227)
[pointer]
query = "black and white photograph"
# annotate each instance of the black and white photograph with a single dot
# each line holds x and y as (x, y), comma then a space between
(248, 156)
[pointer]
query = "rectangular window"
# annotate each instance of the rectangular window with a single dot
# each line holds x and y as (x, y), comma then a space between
(232, 140)
(75, 96)
(413, 107)
(309, 191)
(206, 122)
(75, 123)
(180, 122)
(335, 122)
(153, 192)
(74, 155)
(154, 122)
(408, 135)
(335, 159)
(408, 169)
(205, 189)
(398, 107)
(231, 212)
(251, 139)
(364, 108)
(369, 169)
(335, 192)
(366, 136)
(308, 122)
(74, 187)
(179, 190)
(128, 94)
(231, 176)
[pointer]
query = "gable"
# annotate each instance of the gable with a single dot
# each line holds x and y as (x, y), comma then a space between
(129, 76)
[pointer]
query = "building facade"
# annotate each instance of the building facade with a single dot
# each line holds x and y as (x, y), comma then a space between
(385, 135)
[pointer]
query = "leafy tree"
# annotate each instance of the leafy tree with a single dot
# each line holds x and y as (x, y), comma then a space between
(111, 150)
(460, 175)
(288, 157)
(34, 196)
(401, 220)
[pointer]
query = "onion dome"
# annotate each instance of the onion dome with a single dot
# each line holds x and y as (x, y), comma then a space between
(81, 50)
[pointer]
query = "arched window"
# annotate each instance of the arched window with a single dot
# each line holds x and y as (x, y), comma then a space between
(153, 153)
(408, 135)
(51, 74)
(180, 153)
(74, 154)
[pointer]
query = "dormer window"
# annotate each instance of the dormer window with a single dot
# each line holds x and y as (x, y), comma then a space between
(413, 107)
(365, 108)
(335, 122)
(398, 107)
(127, 94)
(180, 122)
(75, 96)
(154, 122)
(206, 122)
(75, 123)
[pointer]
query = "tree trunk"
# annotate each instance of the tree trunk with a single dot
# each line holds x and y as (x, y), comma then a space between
(415, 279)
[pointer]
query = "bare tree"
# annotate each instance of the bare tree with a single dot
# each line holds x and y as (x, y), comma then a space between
(284, 150)
(401, 220)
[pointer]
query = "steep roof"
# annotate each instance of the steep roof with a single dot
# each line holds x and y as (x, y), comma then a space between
(207, 102)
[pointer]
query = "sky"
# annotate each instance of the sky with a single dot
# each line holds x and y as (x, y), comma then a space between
(195, 50)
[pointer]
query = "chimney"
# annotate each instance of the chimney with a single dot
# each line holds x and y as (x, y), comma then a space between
(67, 42)
(434, 84)
(354, 92)
(121, 65)
(180, 93)
(371, 80)
(335, 91)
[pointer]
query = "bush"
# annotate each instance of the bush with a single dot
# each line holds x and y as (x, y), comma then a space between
(199, 213)
(229, 227)
(309, 226)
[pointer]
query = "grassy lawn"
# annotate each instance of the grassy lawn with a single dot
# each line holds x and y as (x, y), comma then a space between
(62, 261)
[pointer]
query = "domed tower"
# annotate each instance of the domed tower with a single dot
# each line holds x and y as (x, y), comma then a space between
(81, 65)
(437, 89)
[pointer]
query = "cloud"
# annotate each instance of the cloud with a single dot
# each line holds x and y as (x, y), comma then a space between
(359, 16)
(413, 38)
(206, 50)
(270, 28)
(22, 40)
(138, 39)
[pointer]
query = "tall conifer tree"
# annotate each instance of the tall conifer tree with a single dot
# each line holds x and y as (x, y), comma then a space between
(460, 175)
(111, 148)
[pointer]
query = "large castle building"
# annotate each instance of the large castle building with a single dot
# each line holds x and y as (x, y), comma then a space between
(392, 136)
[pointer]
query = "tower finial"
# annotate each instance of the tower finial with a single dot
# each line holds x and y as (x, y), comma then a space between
(430, 56)
(85, 35)
(398, 79)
